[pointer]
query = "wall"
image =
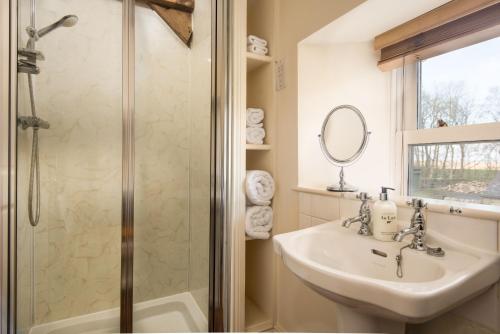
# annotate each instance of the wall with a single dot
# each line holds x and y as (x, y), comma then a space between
(335, 74)
(77, 244)
(478, 316)
(297, 308)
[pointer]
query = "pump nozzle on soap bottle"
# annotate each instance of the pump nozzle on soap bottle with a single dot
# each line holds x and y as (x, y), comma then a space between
(383, 195)
(385, 217)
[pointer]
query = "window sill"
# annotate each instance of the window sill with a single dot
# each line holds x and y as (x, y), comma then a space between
(478, 211)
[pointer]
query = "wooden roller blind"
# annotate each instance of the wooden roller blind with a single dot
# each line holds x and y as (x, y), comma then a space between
(458, 19)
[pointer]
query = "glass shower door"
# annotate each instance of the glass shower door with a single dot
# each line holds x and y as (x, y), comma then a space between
(69, 159)
(172, 169)
(92, 136)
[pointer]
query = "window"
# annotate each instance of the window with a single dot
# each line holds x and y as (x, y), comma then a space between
(451, 132)
(461, 87)
(462, 172)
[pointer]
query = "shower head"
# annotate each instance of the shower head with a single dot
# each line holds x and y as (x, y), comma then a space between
(65, 21)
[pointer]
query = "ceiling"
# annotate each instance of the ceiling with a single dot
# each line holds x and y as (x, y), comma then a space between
(370, 19)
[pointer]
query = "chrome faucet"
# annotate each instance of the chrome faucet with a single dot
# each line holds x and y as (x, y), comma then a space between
(417, 227)
(364, 216)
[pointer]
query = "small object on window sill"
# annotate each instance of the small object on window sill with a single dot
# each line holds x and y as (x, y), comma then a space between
(441, 123)
(455, 210)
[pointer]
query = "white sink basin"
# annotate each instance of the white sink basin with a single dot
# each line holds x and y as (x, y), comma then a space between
(340, 264)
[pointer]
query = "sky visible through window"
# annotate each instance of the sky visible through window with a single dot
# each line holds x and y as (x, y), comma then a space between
(469, 78)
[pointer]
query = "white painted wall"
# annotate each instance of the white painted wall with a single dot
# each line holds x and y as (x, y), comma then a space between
(335, 74)
(299, 308)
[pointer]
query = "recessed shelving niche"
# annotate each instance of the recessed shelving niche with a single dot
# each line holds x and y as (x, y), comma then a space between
(260, 93)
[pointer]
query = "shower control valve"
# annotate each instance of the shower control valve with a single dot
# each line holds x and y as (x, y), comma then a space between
(32, 122)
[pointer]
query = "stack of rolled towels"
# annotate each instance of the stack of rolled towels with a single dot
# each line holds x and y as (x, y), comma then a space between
(257, 45)
(259, 214)
(255, 127)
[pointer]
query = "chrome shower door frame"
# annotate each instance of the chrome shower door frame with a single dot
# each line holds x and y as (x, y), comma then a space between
(128, 163)
(219, 280)
(221, 132)
(8, 168)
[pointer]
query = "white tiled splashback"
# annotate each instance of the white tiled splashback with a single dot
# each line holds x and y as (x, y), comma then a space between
(475, 232)
(482, 314)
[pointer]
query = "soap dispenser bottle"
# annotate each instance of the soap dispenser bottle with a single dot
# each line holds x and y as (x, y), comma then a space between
(384, 217)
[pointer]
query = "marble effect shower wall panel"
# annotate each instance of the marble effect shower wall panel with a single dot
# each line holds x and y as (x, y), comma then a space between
(77, 246)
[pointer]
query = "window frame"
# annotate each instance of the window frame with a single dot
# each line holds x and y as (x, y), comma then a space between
(405, 103)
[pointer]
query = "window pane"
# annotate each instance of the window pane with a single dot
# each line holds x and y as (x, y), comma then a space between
(468, 172)
(461, 87)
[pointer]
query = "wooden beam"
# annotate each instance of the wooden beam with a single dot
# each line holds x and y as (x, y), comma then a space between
(180, 22)
(448, 12)
(478, 21)
(183, 5)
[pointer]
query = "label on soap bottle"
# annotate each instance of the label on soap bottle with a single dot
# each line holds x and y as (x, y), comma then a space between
(388, 219)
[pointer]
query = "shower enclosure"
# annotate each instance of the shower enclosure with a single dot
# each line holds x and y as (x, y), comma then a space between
(115, 219)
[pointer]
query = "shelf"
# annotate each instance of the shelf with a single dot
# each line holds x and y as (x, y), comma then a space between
(247, 238)
(255, 319)
(255, 61)
(253, 147)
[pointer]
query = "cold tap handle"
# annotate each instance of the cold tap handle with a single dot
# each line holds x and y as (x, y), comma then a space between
(417, 203)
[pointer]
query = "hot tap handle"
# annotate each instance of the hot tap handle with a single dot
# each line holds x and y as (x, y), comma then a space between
(363, 196)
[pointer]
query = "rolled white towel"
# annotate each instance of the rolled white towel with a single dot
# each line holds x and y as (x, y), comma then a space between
(260, 50)
(258, 222)
(254, 116)
(259, 186)
(255, 135)
(260, 125)
(252, 39)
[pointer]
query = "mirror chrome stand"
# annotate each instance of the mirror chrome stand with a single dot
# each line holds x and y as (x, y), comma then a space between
(342, 186)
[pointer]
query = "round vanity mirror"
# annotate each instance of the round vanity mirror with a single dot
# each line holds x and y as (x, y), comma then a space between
(343, 139)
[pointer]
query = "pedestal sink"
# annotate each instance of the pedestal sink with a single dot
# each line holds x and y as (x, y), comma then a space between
(359, 273)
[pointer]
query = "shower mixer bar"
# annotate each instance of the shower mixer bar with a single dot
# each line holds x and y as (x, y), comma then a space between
(32, 122)
(24, 66)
